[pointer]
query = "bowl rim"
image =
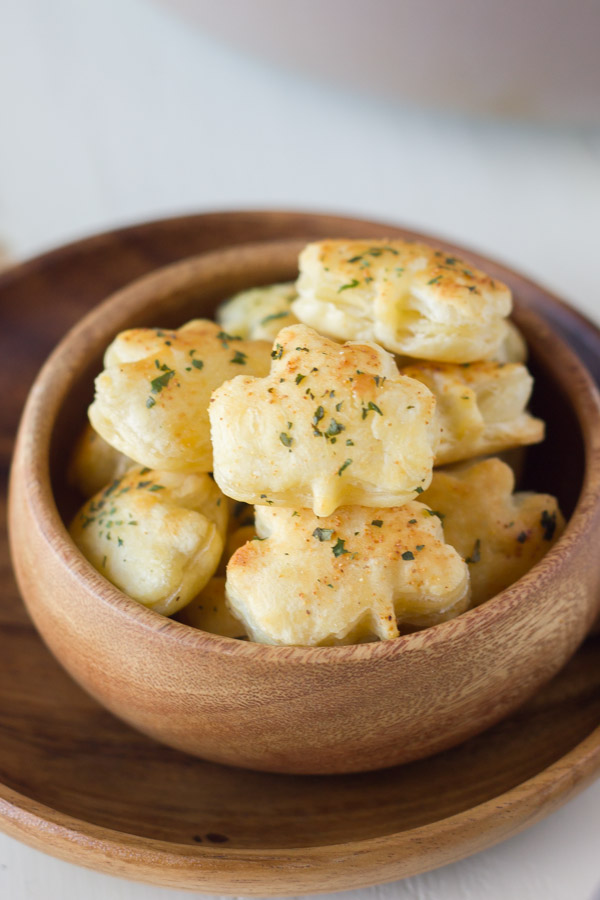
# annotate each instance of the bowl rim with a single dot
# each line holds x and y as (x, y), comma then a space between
(48, 393)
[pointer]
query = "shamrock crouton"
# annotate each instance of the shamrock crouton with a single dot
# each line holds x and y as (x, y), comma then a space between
(331, 425)
(414, 300)
(158, 536)
(152, 398)
(353, 576)
(500, 534)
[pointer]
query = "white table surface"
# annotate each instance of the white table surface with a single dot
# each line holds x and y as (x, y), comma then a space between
(113, 111)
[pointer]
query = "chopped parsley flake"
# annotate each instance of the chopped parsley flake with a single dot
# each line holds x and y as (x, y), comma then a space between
(338, 548)
(419, 547)
(351, 284)
(323, 534)
(548, 523)
(344, 466)
(238, 357)
(273, 316)
(377, 523)
(419, 490)
(277, 353)
(434, 280)
(319, 413)
(434, 512)
(375, 408)
(285, 439)
(150, 402)
(522, 537)
(197, 364)
(476, 554)
(225, 338)
(334, 427)
(157, 487)
(300, 378)
(161, 381)
(408, 554)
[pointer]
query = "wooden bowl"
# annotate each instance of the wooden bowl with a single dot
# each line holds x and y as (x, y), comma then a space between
(293, 709)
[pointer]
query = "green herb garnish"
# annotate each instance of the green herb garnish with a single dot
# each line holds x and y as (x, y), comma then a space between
(338, 548)
(161, 381)
(351, 284)
(323, 534)
(334, 427)
(273, 316)
(225, 338)
(548, 523)
(476, 554)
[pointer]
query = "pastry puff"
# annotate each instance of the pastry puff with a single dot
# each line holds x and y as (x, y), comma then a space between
(500, 534)
(158, 536)
(331, 425)
(209, 611)
(348, 578)
(480, 407)
(414, 300)
(259, 313)
(152, 398)
(94, 463)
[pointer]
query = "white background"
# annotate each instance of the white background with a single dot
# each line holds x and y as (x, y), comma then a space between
(113, 111)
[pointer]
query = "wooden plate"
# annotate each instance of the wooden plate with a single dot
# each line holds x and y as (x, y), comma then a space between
(79, 784)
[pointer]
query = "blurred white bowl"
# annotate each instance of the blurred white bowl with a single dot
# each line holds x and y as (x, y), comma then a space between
(519, 58)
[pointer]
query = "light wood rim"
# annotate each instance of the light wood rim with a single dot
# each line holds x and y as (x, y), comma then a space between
(382, 859)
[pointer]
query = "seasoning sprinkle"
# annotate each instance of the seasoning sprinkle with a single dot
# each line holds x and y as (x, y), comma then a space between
(334, 427)
(161, 381)
(338, 548)
(273, 316)
(344, 466)
(548, 523)
(323, 534)
(476, 554)
(351, 284)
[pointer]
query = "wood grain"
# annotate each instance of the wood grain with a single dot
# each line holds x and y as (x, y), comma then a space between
(80, 784)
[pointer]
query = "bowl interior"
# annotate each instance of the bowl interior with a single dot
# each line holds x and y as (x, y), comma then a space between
(556, 466)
